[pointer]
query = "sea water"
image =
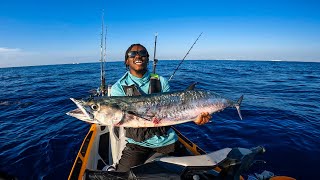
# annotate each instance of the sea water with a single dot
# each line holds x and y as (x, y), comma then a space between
(280, 110)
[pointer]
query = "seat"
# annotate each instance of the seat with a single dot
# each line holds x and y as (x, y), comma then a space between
(210, 159)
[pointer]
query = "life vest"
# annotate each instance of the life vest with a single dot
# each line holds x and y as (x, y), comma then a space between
(142, 134)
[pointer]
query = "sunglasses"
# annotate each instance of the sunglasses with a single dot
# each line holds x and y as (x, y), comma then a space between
(142, 53)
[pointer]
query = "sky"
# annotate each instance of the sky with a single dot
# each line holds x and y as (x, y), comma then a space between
(67, 31)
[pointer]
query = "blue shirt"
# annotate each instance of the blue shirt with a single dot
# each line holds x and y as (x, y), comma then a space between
(143, 85)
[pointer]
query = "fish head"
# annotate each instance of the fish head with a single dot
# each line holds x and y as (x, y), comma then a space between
(108, 113)
(95, 111)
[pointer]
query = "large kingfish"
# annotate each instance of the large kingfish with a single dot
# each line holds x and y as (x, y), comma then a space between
(161, 109)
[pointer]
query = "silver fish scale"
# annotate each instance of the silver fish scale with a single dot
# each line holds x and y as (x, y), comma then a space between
(192, 109)
(172, 106)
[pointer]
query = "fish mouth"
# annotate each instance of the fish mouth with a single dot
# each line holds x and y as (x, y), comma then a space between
(86, 111)
(77, 113)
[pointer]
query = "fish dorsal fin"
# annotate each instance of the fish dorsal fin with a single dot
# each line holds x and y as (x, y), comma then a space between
(192, 86)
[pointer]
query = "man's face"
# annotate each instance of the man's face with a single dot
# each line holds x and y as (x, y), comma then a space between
(138, 59)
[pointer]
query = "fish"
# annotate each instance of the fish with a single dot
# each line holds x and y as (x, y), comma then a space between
(151, 110)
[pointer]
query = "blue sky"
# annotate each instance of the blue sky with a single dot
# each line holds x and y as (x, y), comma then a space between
(58, 32)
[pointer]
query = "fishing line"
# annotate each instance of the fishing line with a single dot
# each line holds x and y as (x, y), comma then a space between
(184, 57)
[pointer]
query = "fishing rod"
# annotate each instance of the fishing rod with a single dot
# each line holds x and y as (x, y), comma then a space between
(155, 61)
(102, 59)
(184, 57)
(154, 79)
(103, 83)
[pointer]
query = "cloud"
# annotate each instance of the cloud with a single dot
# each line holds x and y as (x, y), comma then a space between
(9, 50)
(12, 56)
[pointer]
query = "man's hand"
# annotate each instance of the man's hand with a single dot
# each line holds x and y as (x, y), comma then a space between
(203, 118)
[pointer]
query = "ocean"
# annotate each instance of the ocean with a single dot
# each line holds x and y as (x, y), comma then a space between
(280, 112)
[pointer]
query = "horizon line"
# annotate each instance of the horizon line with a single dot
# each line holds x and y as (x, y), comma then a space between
(76, 63)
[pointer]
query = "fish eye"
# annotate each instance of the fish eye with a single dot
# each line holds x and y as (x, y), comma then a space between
(94, 107)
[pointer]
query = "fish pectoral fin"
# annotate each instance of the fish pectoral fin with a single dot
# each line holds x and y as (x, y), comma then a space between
(139, 115)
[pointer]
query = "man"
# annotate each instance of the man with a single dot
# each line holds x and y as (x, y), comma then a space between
(143, 142)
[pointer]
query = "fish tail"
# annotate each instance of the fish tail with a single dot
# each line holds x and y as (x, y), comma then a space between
(237, 105)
